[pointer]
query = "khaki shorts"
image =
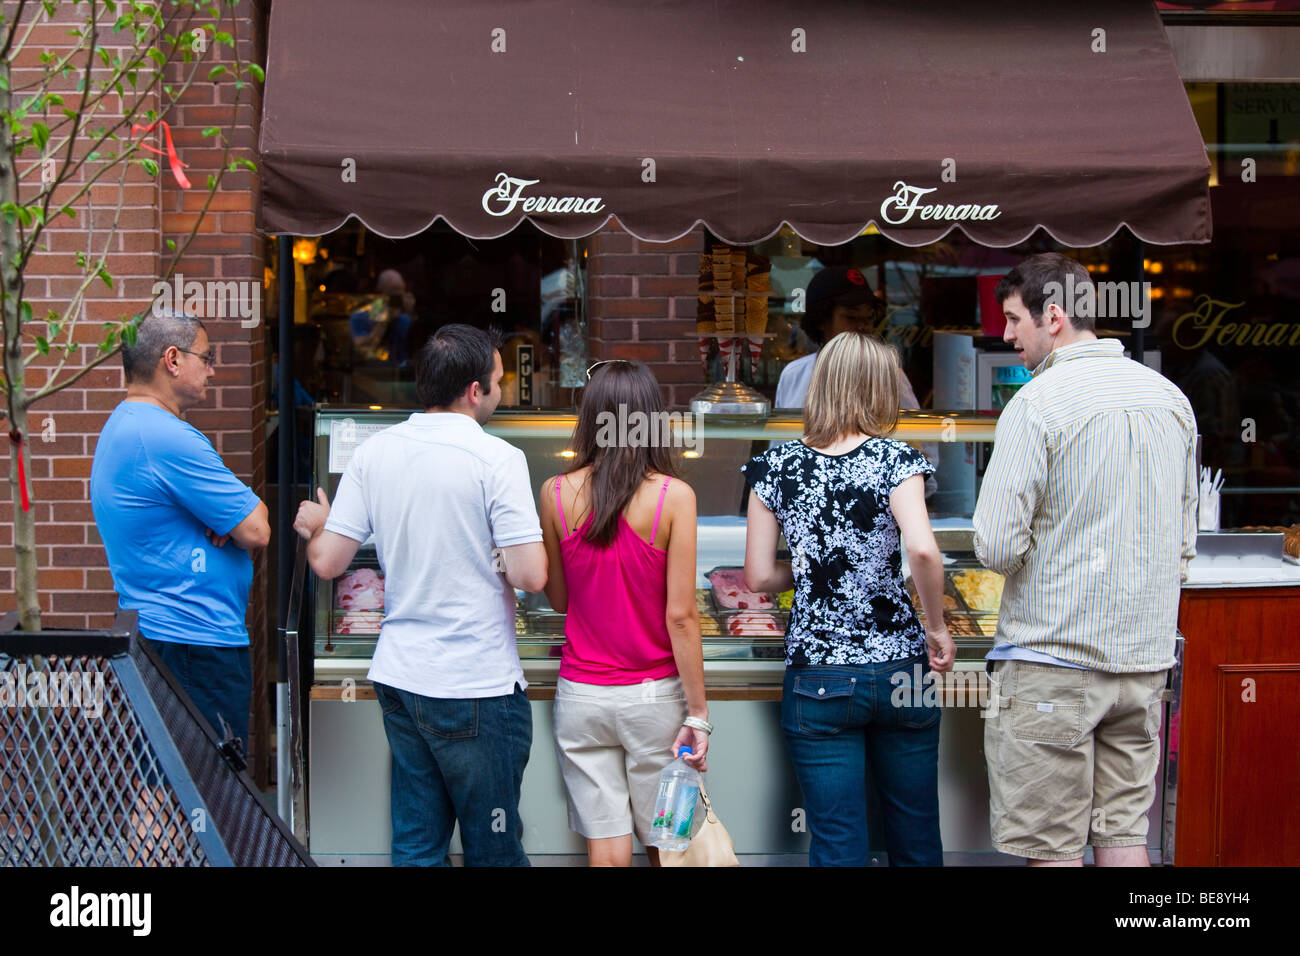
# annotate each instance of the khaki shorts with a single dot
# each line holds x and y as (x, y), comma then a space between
(612, 742)
(1072, 757)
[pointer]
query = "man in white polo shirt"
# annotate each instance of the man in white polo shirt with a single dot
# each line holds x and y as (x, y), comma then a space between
(444, 500)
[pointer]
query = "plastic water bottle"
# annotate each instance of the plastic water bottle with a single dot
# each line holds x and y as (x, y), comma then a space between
(679, 790)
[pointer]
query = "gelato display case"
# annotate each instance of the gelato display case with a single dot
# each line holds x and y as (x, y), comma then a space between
(750, 779)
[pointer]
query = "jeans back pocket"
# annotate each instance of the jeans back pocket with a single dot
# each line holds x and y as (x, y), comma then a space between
(822, 704)
(450, 719)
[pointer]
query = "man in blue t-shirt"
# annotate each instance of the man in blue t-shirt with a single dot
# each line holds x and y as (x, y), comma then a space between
(176, 523)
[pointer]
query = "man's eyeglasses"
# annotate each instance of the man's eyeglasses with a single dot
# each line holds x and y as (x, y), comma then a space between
(599, 364)
(209, 357)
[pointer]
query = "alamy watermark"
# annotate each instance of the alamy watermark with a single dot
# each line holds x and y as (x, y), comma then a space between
(41, 688)
(632, 429)
(210, 299)
(1116, 300)
(951, 689)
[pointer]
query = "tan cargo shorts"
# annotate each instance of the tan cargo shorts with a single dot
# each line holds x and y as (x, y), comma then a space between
(1072, 757)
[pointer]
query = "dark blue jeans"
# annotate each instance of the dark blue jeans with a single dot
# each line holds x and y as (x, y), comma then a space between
(457, 760)
(218, 679)
(839, 719)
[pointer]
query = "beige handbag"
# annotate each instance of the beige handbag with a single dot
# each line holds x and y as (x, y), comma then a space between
(711, 845)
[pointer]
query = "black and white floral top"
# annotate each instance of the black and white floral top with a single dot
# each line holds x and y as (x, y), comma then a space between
(850, 606)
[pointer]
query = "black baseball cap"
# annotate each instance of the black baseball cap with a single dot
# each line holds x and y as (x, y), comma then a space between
(840, 284)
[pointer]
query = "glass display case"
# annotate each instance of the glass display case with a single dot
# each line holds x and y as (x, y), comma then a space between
(743, 633)
(750, 774)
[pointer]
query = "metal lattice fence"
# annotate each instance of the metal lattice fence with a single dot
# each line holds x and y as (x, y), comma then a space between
(104, 761)
(80, 784)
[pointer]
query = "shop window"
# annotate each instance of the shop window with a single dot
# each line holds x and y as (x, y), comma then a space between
(365, 305)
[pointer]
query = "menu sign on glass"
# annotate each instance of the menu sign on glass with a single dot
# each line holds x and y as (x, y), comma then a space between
(345, 435)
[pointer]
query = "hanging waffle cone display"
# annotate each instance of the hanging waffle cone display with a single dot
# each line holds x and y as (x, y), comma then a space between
(758, 283)
(734, 285)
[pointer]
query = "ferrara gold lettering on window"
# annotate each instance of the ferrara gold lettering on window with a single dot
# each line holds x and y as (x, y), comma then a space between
(508, 194)
(906, 203)
(1207, 324)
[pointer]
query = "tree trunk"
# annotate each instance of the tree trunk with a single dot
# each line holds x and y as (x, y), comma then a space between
(29, 608)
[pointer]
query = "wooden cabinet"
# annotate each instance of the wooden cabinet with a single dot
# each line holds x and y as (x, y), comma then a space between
(1239, 739)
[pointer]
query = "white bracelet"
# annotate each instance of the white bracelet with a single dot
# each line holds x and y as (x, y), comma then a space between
(698, 723)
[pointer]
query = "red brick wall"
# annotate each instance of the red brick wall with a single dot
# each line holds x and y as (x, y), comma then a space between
(641, 305)
(76, 588)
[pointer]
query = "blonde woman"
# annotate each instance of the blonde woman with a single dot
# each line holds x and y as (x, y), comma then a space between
(841, 496)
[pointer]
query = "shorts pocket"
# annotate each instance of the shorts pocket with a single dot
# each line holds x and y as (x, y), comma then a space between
(821, 704)
(1047, 703)
(448, 719)
(1156, 706)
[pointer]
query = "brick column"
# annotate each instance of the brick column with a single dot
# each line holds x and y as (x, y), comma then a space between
(642, 303)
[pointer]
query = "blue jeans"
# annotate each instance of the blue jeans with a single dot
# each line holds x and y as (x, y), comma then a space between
(838, 720)
(457, 759)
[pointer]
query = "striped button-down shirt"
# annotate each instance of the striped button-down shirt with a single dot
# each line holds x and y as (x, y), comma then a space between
(1088, 507)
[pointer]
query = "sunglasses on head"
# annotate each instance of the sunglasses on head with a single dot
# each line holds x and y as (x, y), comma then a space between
(600, 363)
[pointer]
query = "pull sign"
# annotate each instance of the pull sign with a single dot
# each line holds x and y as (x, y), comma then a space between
(524, 362)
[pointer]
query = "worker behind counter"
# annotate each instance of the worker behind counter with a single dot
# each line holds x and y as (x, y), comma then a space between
(379, 329)
(840, 299)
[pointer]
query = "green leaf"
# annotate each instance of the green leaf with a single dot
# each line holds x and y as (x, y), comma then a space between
(258, 73)
(210, 131)
(69, 212)
(49, 6)
(104, 55)
(53, 99)
(171, 244)
(212, 182)
(217, 71)
(129, 333)
(42, 345)
(104, 277)
(223, 37)
(9, 210)
(150, 166)
(40, 133)
(25, 312)
(157, 56)
(81, 259)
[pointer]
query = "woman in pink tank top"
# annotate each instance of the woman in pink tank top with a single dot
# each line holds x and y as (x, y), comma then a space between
(619, 531)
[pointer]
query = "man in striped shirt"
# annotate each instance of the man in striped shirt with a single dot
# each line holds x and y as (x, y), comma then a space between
(1088, 507)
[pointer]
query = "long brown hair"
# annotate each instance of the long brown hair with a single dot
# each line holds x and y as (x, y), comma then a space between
(617, 471)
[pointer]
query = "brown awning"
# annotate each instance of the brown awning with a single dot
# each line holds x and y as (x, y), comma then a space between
(920, 118)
